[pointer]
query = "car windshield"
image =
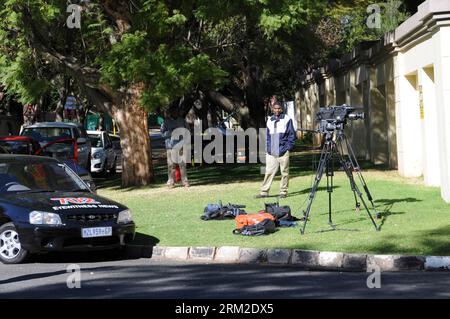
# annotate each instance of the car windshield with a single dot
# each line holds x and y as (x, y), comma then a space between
(16, 147)
(20, 176)
(47, 133)
(96, 140)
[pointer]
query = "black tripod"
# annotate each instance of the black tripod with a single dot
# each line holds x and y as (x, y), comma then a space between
(349, 164)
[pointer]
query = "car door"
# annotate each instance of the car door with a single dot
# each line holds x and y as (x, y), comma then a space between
(84, 148)
(108, 149)
(82, 154)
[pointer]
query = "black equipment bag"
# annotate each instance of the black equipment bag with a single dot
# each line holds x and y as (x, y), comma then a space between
(264, 227)
(279, 212)
(218, 211)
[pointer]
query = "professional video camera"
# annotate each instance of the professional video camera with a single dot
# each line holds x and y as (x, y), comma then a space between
(335, 117)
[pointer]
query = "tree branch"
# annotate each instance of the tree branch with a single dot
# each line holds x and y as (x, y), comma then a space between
(87, 78)
(118, 10)
(220, 100)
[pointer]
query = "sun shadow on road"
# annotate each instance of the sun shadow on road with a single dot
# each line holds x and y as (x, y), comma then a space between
(131, 251)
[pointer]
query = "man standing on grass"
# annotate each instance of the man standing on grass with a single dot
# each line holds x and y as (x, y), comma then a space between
(175, 154)
(279, 141)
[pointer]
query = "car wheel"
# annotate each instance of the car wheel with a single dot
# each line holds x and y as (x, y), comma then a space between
(11, 251)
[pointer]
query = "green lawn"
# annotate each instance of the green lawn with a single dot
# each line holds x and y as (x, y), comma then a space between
(415, 220)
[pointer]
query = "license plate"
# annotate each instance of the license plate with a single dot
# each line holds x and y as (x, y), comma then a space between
(96, 232)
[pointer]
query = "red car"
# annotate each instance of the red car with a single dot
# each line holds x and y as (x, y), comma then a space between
(63, 149)
(20, 145)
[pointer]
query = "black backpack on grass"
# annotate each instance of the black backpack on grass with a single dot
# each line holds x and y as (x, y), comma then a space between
(279, 212)
(218, 211)
(264, 227)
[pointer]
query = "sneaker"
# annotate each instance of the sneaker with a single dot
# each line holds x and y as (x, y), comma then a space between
(261, 196)
(186, 185)
(282, 196)
(170, 185)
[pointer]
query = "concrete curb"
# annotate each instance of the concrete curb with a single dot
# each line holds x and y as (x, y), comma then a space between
(307, 259)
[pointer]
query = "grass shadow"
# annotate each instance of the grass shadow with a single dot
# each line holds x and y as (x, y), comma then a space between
(114, 182)
(389, 204)
(433, 242)
(301, 164)
(206, 174)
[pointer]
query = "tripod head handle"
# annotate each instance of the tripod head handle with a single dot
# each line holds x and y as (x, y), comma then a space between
(310, 131)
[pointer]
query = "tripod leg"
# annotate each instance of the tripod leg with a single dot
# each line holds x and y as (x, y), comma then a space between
(367, 210)
(324, 157)
(346, 165)
(330, 173)
(355, 167)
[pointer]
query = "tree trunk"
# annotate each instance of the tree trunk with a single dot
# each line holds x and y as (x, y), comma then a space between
(137, 166)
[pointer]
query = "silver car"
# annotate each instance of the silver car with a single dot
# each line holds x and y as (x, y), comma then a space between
(104, 156)
(47, 132)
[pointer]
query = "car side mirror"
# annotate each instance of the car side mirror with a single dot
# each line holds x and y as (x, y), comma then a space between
(81, 140)
(91, 186)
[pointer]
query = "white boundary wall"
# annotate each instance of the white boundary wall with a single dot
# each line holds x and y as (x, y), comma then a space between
(403, 84)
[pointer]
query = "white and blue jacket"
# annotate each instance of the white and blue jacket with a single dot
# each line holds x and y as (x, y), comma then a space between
(280, 135)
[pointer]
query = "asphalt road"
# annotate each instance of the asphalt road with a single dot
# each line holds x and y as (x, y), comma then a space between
(106, 276)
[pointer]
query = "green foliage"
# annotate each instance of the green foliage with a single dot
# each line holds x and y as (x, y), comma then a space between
(23, 72)
(177, 18)
(19, 78)
(168, 72)
(352, 15)
(289, 16)
(271, 37)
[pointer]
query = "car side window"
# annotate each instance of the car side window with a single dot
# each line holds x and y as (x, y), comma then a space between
(116, 143)
(76, 134)
(108, 143)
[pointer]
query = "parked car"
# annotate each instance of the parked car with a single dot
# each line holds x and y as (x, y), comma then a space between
(104, 157)
(47, 132)
(63, 149)
(45, 206)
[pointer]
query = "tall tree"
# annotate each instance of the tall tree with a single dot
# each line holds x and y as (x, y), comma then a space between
(123, 59)
(263, 45)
